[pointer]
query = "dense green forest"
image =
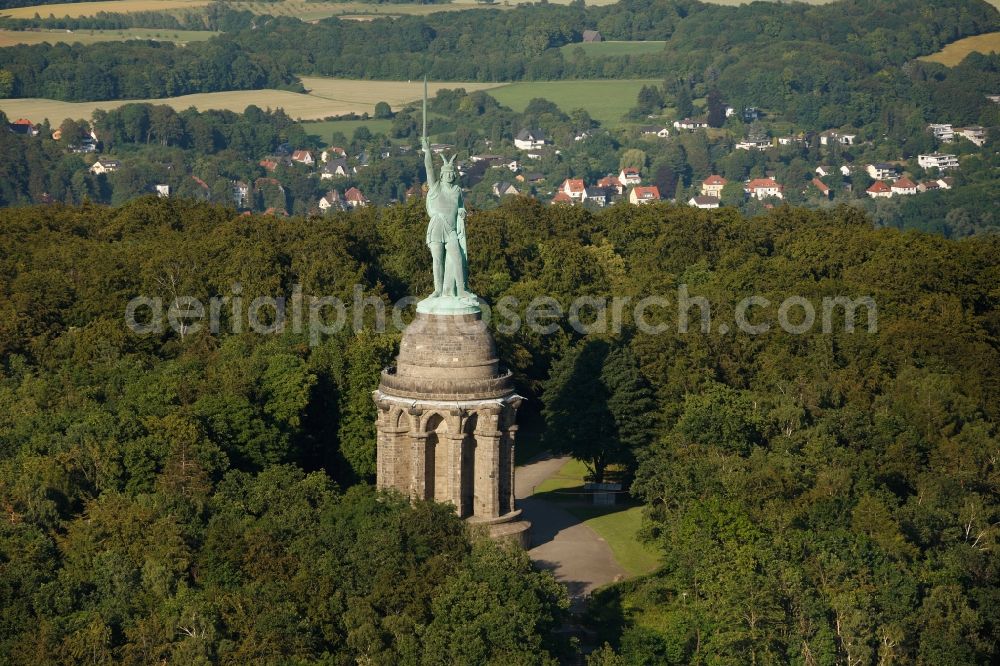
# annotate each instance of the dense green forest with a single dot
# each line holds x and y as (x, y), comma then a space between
(818, 498)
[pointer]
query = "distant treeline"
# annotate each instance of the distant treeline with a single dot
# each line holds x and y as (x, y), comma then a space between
(137, 69)
(773, 55)
(212, 17)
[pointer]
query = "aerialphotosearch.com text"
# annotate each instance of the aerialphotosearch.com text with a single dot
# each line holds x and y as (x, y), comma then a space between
(320, 316)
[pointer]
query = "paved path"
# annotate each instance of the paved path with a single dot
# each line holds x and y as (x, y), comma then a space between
(578, 557)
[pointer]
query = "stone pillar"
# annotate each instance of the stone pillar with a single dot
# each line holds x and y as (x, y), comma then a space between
(487, 474)
(454, 443)
(418, 465)
(511, 434)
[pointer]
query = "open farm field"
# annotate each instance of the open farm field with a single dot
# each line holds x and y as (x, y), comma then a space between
(955, 52)
(326, 97)
(77, 9)
(313, 11)
(28, 37)
(612, 48)
(604, 100)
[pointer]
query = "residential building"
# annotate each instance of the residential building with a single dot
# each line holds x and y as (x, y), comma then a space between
(822, 187)
(610, 184)
(881, 171)
(712, 186)
(832, 137)
(23, 126)
(355, 198)
(597, 195)
(644, 195)
(975, 134)
(330, 200)
(331, 153)
(937, 161)
(335, 168)
(657, 130)
(824, 171)
(104, 165)
(846, 170)
(303, 157)
(904, 186)
(943, 132)
(629, 176)
(562, 198)
(241, 194)
(703, 201)
(162, 191)
(503, 189)
(530, 139)
(592, 36)
(763, 188)
(690, 124)
(879, 189)
(753, 144)
(574, 189)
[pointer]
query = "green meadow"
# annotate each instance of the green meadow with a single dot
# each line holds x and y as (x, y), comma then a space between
(605, 100)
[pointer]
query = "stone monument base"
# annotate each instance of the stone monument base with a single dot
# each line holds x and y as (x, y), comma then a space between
(505, 527)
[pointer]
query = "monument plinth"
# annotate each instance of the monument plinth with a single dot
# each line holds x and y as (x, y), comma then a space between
(446, 422)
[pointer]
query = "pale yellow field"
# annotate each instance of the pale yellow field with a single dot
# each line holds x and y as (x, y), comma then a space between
(955, 52)
(327, 97)
(28, 37)
(313, 11)
(77, 9)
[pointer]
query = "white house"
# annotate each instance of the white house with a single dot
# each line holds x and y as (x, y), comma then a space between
(303, 157)
(331, 153)
(763, 188)
(903, 186)
(943, 132)
(103, 165)
(845, 170)
(330, 200)
(163, 191)
(975, 134)
(654, 130)
(574, 189)
(937, 160)
(597, 195)
(354, 198)
(881, 171)
(629, 176)
(753, 144)
(336, 168)
(879, 190)
(644, 195)
(824, 171)
(690, 124)
(831, 137)
(529, 139)
(703, 201)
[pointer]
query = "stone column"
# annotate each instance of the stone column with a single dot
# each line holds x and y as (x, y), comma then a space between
(454, 443)
(418, 465)
(488, 474)
(511, 433)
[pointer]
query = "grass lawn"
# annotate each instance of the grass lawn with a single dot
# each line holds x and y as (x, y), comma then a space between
(954, 53)
(77, 9)
(16, 37)
(618, 525)
(325, 128)
(611, 48)
(604, 100)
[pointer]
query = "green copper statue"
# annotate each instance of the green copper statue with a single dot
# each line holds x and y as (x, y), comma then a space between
(446, 237)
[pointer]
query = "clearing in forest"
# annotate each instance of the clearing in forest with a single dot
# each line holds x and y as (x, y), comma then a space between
(955, 52)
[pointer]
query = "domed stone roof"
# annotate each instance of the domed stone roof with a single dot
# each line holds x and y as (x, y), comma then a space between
(447, 357)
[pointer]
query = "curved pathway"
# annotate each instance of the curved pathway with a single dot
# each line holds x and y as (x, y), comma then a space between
(579, 558)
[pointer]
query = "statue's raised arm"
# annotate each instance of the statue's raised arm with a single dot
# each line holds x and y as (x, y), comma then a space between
(428, 162)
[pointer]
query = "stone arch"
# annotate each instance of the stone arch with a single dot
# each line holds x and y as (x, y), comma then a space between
(436, 461)
(468, 458)
(398, 419)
